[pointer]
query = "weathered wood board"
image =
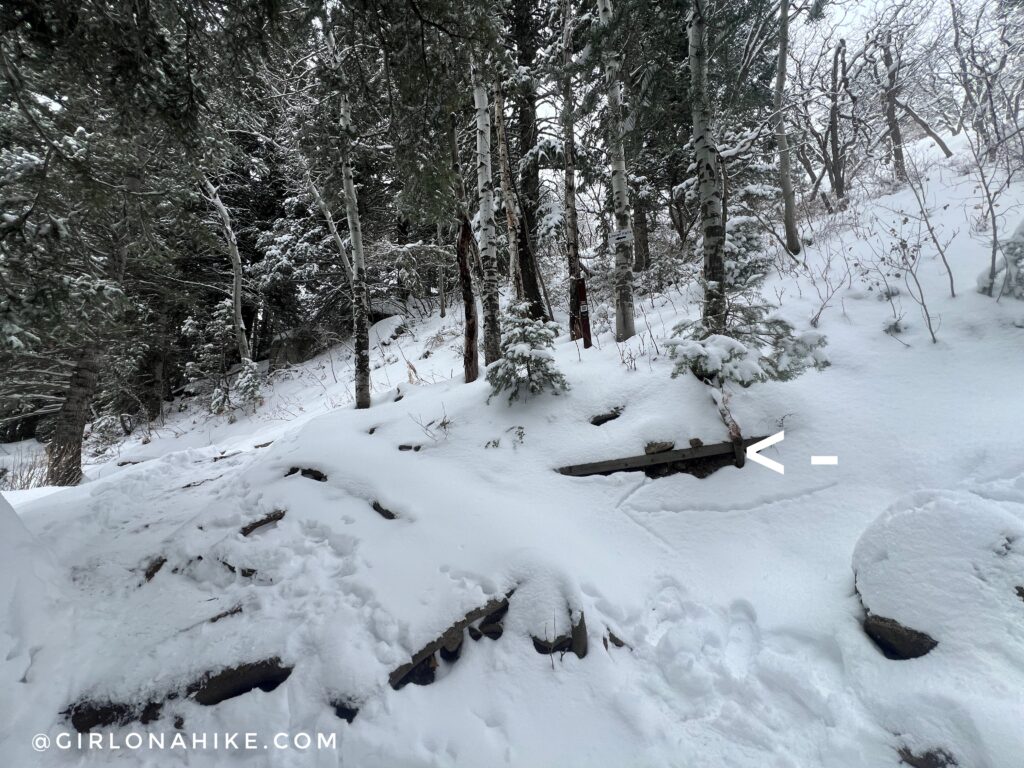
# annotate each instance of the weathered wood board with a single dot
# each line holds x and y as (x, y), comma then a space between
(647, 460)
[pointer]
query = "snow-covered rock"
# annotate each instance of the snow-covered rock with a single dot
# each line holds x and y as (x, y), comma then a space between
(947, 567)
(28, 610)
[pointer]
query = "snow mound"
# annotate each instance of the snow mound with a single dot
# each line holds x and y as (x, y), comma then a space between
(27, 575)
(29, 598)
(951, 565)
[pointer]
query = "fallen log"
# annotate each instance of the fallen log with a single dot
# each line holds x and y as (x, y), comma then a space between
(647, 460)
(271, 517)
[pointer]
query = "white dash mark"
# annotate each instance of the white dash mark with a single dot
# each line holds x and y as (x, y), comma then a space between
(825, 460)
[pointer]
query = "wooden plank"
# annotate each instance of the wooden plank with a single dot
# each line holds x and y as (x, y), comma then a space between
(652, 459)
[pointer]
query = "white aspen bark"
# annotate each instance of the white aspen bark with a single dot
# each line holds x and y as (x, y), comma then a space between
(360, 305)
(508, 196)
(236, 268)
(709, 177)
(488, 246)
(785, 162)
(624, 325)
(331, 226)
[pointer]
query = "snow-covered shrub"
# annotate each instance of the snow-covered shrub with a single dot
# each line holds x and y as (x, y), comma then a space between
(717, 357)
(793, 353)
(241, 391)
(220, 401)
(249, 384)
(527, 362)
(768, 350)
(211, 339)
(757, 344)
(22, 470)
(104, 432)
(211, 371)
(601, 319)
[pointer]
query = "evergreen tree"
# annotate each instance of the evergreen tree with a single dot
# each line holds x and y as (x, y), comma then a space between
(527, 364)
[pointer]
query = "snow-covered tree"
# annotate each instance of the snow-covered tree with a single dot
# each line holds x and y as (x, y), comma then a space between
(623, 236)
(488, 244)
(527, 363)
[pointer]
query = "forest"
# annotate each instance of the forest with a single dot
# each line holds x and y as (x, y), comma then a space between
(535, 282)
(192, 188)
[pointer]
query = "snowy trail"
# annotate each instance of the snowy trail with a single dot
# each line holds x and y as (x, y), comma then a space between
(733, 595)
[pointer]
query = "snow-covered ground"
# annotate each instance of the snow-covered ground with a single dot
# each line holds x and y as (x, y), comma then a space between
(733, 595)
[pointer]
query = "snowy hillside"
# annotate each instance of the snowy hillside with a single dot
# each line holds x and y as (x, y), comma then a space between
(315, 551)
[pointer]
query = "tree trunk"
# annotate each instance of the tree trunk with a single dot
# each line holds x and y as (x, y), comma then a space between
(785, 163)
(709, 177)
(971, 110)
(525, 35)
(525, 31)
(834, 156)
(464, 247)
(926, 128)
(677, 213)
(156, 384)
(331, 226)
(529, 274)
(622, 237)
(577, 291)
(64, 452)
(508, 196)
(892, 121)
(488, 253)
(463, 252)
(236, 269)
(641, 233)
(442, 297)
(360, 303)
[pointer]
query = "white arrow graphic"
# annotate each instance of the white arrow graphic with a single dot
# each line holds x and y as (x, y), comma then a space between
(753, 455)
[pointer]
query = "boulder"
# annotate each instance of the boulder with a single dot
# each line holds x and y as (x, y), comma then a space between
(939, 570)
(933, 758)
(895, 640)
(575, 641)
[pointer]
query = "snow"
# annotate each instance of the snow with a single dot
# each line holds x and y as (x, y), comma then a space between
(720, 355)
(949, 563)
(734, 594)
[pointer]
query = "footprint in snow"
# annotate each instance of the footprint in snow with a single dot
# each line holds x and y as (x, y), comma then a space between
(743, 639)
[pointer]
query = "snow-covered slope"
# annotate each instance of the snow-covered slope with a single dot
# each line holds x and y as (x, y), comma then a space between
(732, 596)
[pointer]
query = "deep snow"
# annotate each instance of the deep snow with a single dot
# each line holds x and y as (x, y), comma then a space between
(734, 594)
